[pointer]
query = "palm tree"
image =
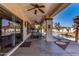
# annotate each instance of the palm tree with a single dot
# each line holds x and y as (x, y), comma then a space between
(44, 26)
(58, 26)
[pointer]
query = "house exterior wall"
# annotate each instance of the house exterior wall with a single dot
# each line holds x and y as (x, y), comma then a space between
(25, 34)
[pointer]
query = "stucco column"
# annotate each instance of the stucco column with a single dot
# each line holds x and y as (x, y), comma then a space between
(76, 21)
(49, 29)
(77, 34)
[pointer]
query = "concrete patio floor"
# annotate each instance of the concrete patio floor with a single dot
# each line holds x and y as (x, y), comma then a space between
(40, 47)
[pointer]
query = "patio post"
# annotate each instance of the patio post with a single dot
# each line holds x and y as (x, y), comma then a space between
(76, 21)
(76, 37)
(49, 29)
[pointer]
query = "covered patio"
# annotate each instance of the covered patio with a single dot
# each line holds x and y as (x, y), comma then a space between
(32, 40)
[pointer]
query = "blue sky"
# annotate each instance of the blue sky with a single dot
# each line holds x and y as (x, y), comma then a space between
(65, 17)
(5, 22)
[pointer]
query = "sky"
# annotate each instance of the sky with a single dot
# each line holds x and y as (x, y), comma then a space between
(5, 22)
(65, 17)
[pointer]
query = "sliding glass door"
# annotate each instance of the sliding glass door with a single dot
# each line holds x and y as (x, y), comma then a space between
(10, 34)
(19, 31)
(6, 35)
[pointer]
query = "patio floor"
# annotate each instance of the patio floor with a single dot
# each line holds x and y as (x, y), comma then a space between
(39, 47)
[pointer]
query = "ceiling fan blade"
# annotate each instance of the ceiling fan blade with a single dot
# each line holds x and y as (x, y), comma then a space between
(33, 5)
(41, 10)
(35, 12)
(30, 9)
(42, 6)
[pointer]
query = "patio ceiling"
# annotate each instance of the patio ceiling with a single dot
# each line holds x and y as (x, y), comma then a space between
(20, 9)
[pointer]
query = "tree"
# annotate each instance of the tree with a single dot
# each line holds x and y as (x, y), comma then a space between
(18, 26)
(11, 25)
(58, 26)
(5, 29)
(44, 26)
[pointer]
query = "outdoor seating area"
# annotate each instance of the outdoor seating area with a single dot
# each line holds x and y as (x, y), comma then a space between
(39, 29)
(36, 34)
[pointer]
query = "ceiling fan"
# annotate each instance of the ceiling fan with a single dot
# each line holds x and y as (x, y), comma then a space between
(36, 7)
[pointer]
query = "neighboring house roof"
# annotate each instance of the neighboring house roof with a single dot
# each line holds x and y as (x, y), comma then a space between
(64, 27)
